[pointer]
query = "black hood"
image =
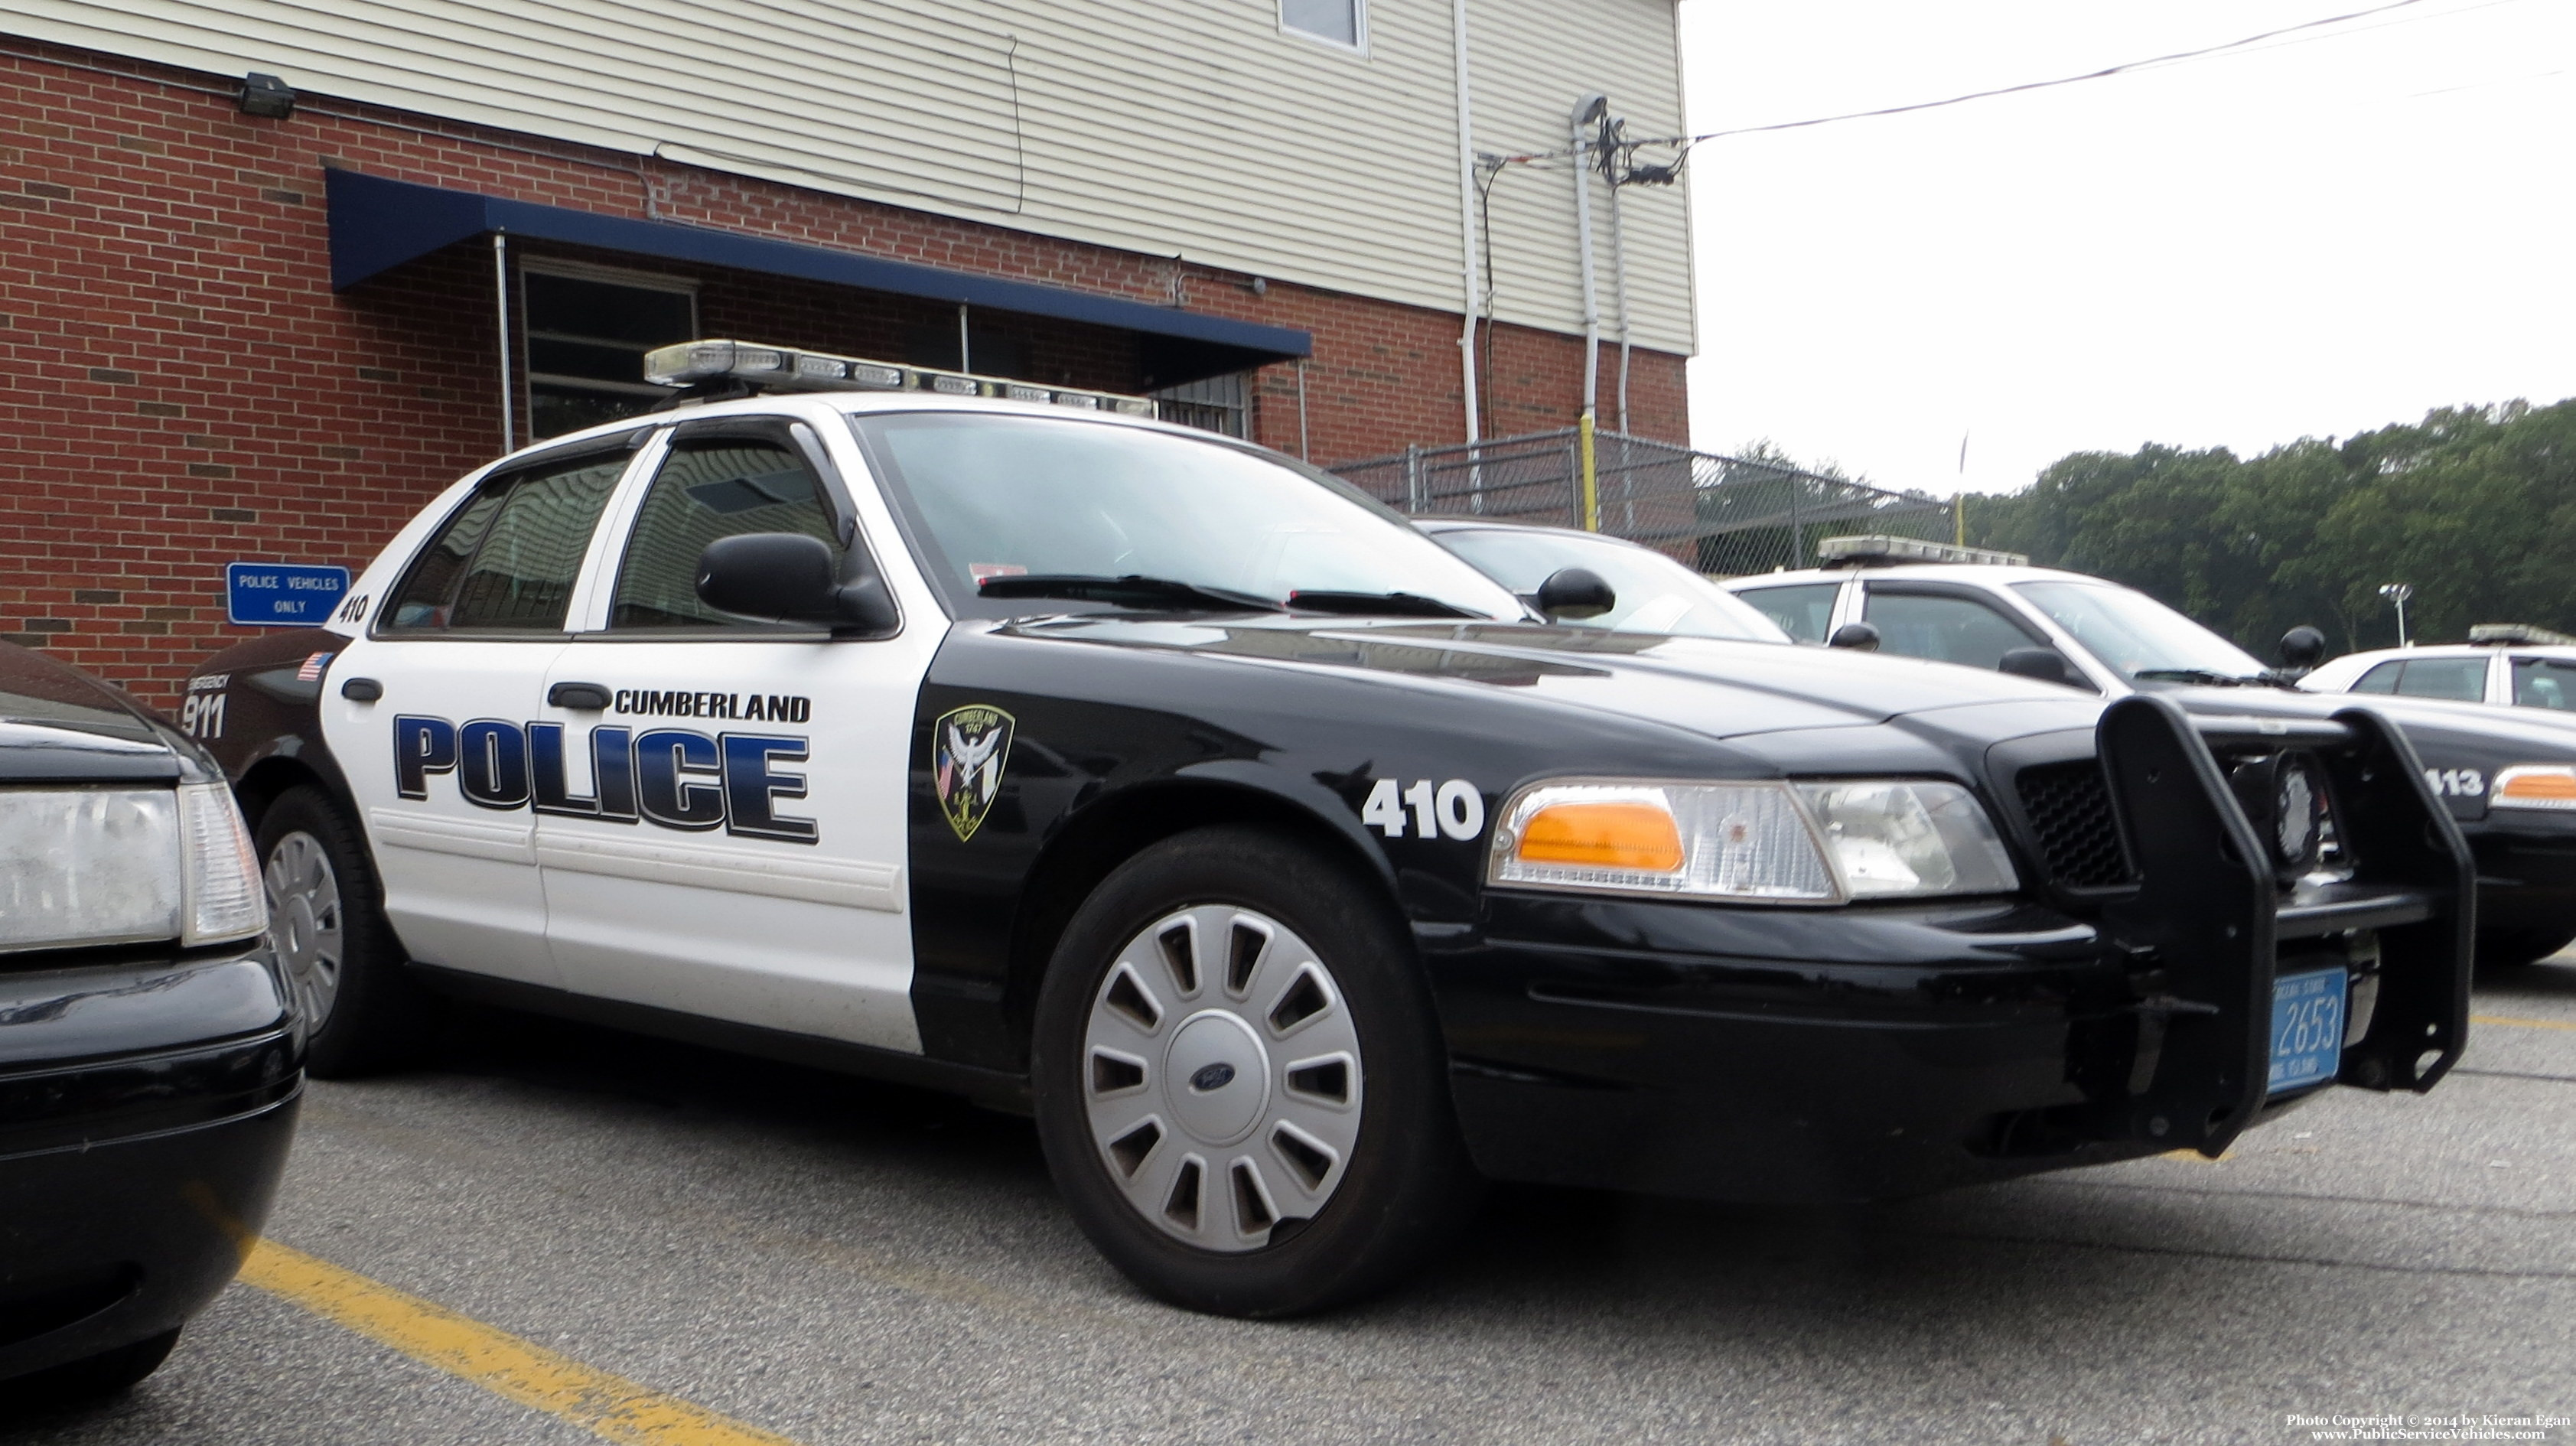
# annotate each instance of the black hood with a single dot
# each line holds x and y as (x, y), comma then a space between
(58, 724)
(1734, 691)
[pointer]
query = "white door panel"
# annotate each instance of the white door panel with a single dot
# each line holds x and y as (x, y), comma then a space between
(745, 859)
(440, 765)
(457, 855)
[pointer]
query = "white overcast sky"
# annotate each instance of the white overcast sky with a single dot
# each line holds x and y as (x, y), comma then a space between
(2305, 239)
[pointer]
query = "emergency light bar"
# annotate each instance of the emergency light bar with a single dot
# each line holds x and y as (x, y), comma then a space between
(2523, 633)
(784, 369)
(1877, 547)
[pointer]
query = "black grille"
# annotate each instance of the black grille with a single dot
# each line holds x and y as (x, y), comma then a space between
(2069, 807)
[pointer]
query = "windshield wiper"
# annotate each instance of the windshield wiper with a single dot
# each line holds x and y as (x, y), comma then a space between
(1375, 604)
(1133, 590)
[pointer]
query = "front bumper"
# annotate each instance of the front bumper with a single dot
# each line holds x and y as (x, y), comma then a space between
(146, 1108)
(1879, 1051)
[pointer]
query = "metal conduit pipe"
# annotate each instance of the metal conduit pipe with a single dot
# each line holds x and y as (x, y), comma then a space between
(1466, 217)
(1587, 112)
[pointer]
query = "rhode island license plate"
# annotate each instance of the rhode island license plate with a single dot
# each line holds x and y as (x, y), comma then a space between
(2307, 1029)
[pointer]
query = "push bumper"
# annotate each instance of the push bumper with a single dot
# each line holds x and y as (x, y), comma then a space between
(145, 1115)
(1872, 1052)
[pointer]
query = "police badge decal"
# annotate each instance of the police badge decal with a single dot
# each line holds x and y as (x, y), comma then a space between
(969, 747)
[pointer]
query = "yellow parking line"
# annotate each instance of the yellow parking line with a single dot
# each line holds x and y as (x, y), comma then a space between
(606, 1405)
(2521, 1023)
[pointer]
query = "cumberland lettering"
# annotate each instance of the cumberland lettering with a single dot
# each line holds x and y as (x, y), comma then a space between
(751, 707)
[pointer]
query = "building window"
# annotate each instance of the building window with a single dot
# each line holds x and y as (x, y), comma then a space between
(1343, 22)
(588, 331)
(1218, 404)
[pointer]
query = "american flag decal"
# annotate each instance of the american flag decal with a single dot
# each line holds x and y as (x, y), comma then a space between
(311, 672)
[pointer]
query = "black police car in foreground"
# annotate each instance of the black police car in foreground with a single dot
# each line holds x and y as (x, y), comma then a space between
(1292, 873)
(150, 1060)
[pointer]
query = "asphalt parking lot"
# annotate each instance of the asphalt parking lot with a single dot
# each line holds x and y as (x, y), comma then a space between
(833, 1261)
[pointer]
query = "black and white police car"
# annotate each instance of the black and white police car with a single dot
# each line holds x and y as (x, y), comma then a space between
(2507, 777)
(2505, 665)
(1291, 872)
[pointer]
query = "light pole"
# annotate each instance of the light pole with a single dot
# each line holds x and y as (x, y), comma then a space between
(2398, 593)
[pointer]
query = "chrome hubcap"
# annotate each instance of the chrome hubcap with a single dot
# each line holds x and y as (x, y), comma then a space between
(1221, 1076)
(304, 907)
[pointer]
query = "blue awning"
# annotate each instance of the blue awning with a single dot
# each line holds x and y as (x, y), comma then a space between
(378, 224)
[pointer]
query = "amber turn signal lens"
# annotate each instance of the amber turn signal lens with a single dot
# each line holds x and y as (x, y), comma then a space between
(1608, 835)
(2554, 786)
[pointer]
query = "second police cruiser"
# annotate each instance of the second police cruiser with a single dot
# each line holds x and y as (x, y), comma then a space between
(1294, 875)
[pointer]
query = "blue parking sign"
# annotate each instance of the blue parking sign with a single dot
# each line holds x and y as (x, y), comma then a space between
(282, 594)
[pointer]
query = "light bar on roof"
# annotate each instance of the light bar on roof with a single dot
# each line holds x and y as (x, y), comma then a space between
(2522, 633)
(1877, 547)
(784, 369)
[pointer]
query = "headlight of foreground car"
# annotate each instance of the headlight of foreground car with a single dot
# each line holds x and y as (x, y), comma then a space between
(225, 900)
(1804, 843)
(2534, 785)
(86, 867)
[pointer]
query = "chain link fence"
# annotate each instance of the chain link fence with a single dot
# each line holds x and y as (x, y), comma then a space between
(1723, 515)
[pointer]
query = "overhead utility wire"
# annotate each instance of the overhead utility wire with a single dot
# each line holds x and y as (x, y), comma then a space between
(2104, 73)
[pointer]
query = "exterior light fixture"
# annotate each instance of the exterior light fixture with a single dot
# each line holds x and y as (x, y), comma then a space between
(2398, 593)
(266, 95)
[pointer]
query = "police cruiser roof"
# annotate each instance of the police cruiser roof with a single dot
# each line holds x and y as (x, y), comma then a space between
(709, 364)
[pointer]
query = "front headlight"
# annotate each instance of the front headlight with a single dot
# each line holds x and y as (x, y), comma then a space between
(225, 900)
(2533, 785)
(1813, 843)
(86, 867)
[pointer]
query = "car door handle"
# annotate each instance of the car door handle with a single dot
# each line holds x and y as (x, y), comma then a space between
(362, 690)
(579, 697)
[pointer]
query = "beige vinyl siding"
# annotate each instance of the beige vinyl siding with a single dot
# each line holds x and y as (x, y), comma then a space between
(1531, 63)
(1187, 128)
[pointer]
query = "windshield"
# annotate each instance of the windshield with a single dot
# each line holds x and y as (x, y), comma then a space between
(988, 495)
(1656, 594)
(2134, 634)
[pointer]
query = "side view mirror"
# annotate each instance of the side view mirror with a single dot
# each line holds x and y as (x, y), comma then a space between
(2303, 647)
(2048, 665)
(1574, 592)
(789, 577)
(1859, 637)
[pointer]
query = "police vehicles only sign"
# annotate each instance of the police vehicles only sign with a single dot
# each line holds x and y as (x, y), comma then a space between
(281, 594)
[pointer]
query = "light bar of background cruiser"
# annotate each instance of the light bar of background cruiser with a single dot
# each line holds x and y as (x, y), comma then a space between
(789, 370)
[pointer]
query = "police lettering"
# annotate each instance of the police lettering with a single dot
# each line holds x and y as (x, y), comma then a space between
(747, 707)
(672, 777)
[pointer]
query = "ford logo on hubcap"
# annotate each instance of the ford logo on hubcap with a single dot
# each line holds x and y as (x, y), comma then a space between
(1212, 1077)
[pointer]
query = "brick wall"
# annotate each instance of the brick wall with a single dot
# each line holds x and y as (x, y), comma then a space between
(184, 389)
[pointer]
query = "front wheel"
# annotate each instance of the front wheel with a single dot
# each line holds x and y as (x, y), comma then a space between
(363, 1014)
(91, 1377)
(1239, 1081)
(2512, 949)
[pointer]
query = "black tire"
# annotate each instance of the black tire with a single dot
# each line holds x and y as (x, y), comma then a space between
(379, 1017)
(91, 1377)
(1406, 1187)
(2514, 949)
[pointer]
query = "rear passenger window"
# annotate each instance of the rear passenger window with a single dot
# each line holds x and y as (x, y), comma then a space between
(2544, 683)
(709, 488)
(2382, 679)
(508, 559)
(2460, 678)
(1801, 610)
(1945, 629)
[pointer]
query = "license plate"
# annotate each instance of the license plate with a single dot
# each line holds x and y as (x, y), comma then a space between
(2307, 1029)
